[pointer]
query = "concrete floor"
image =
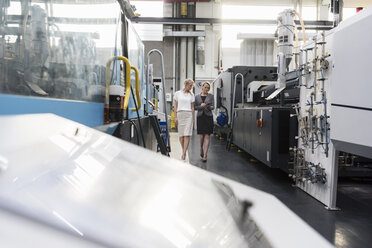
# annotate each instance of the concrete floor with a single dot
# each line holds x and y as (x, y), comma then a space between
(350, 227)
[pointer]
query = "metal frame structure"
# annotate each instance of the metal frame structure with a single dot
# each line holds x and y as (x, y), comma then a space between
(310, 25)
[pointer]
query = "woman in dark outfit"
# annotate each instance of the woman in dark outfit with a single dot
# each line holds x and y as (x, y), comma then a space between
(204, 103)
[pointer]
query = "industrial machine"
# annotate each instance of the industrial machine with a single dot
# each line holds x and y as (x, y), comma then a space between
(334, 113)
(259, 120)
(229, 95)
(71, 59)
(262, 124)
(316, 116)
(263, 128)
(48, 64)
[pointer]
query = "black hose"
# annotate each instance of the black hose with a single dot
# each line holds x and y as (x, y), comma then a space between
(138, 117)
(136, 129)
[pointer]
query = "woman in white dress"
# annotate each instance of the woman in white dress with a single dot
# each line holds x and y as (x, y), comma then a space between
(184, 114)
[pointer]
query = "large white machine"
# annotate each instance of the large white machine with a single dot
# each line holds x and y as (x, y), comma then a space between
(335, 111)
(64, 184)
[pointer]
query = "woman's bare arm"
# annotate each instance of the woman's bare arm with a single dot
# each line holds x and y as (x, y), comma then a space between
(175, 112)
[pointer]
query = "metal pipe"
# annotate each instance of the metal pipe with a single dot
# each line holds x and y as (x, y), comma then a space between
(183, 45)
(233, 100)
(310, 25)
(233, 105)
(311, 115)
(175, 47)
(190, 55)
(324, 96)
(230, 136)
(341, 11)
(315, 67)
(146, 109)
(242, 90)
(183, 58)
(174, 65)
(163, 85)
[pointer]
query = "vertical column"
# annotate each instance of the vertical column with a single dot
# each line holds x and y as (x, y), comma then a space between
(190, 54)
(183, 48)
(333, 177)
(191, 44)
(183, 58)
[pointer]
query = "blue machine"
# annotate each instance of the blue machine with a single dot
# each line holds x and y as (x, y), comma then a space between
(47, 66)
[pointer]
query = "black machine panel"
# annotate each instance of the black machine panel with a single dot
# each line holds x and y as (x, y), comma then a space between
(129, 130)
(264, 128)
(219, 96)
(266, 133)
(291, 94)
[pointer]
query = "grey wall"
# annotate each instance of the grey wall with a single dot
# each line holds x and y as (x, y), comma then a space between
(166, 47)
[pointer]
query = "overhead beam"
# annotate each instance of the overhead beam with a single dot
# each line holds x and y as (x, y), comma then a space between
(184, 34)
(17, 19)
(321, 25)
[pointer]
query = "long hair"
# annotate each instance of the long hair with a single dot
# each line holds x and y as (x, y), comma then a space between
(188, 81)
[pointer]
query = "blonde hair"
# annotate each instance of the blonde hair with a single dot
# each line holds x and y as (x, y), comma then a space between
(188, 81)
(206, 82)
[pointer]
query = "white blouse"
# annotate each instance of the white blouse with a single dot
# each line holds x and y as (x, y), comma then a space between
(184, 100)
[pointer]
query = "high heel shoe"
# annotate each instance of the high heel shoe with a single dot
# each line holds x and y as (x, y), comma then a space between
(202, 154)
(204, 160)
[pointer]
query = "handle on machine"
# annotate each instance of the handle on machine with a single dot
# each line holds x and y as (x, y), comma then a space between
(137, 88)
(127, 79)
(156, 103)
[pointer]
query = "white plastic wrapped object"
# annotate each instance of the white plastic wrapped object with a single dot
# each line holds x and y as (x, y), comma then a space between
(94, 188)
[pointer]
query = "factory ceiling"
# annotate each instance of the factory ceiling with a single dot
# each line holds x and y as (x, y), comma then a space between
(347, 3)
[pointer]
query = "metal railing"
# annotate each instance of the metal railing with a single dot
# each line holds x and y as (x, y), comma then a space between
(163, 85)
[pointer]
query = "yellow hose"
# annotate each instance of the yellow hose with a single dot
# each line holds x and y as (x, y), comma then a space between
(302, 26)
(156, 103)
(137, 88)
(296, 51)
(127, 75)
